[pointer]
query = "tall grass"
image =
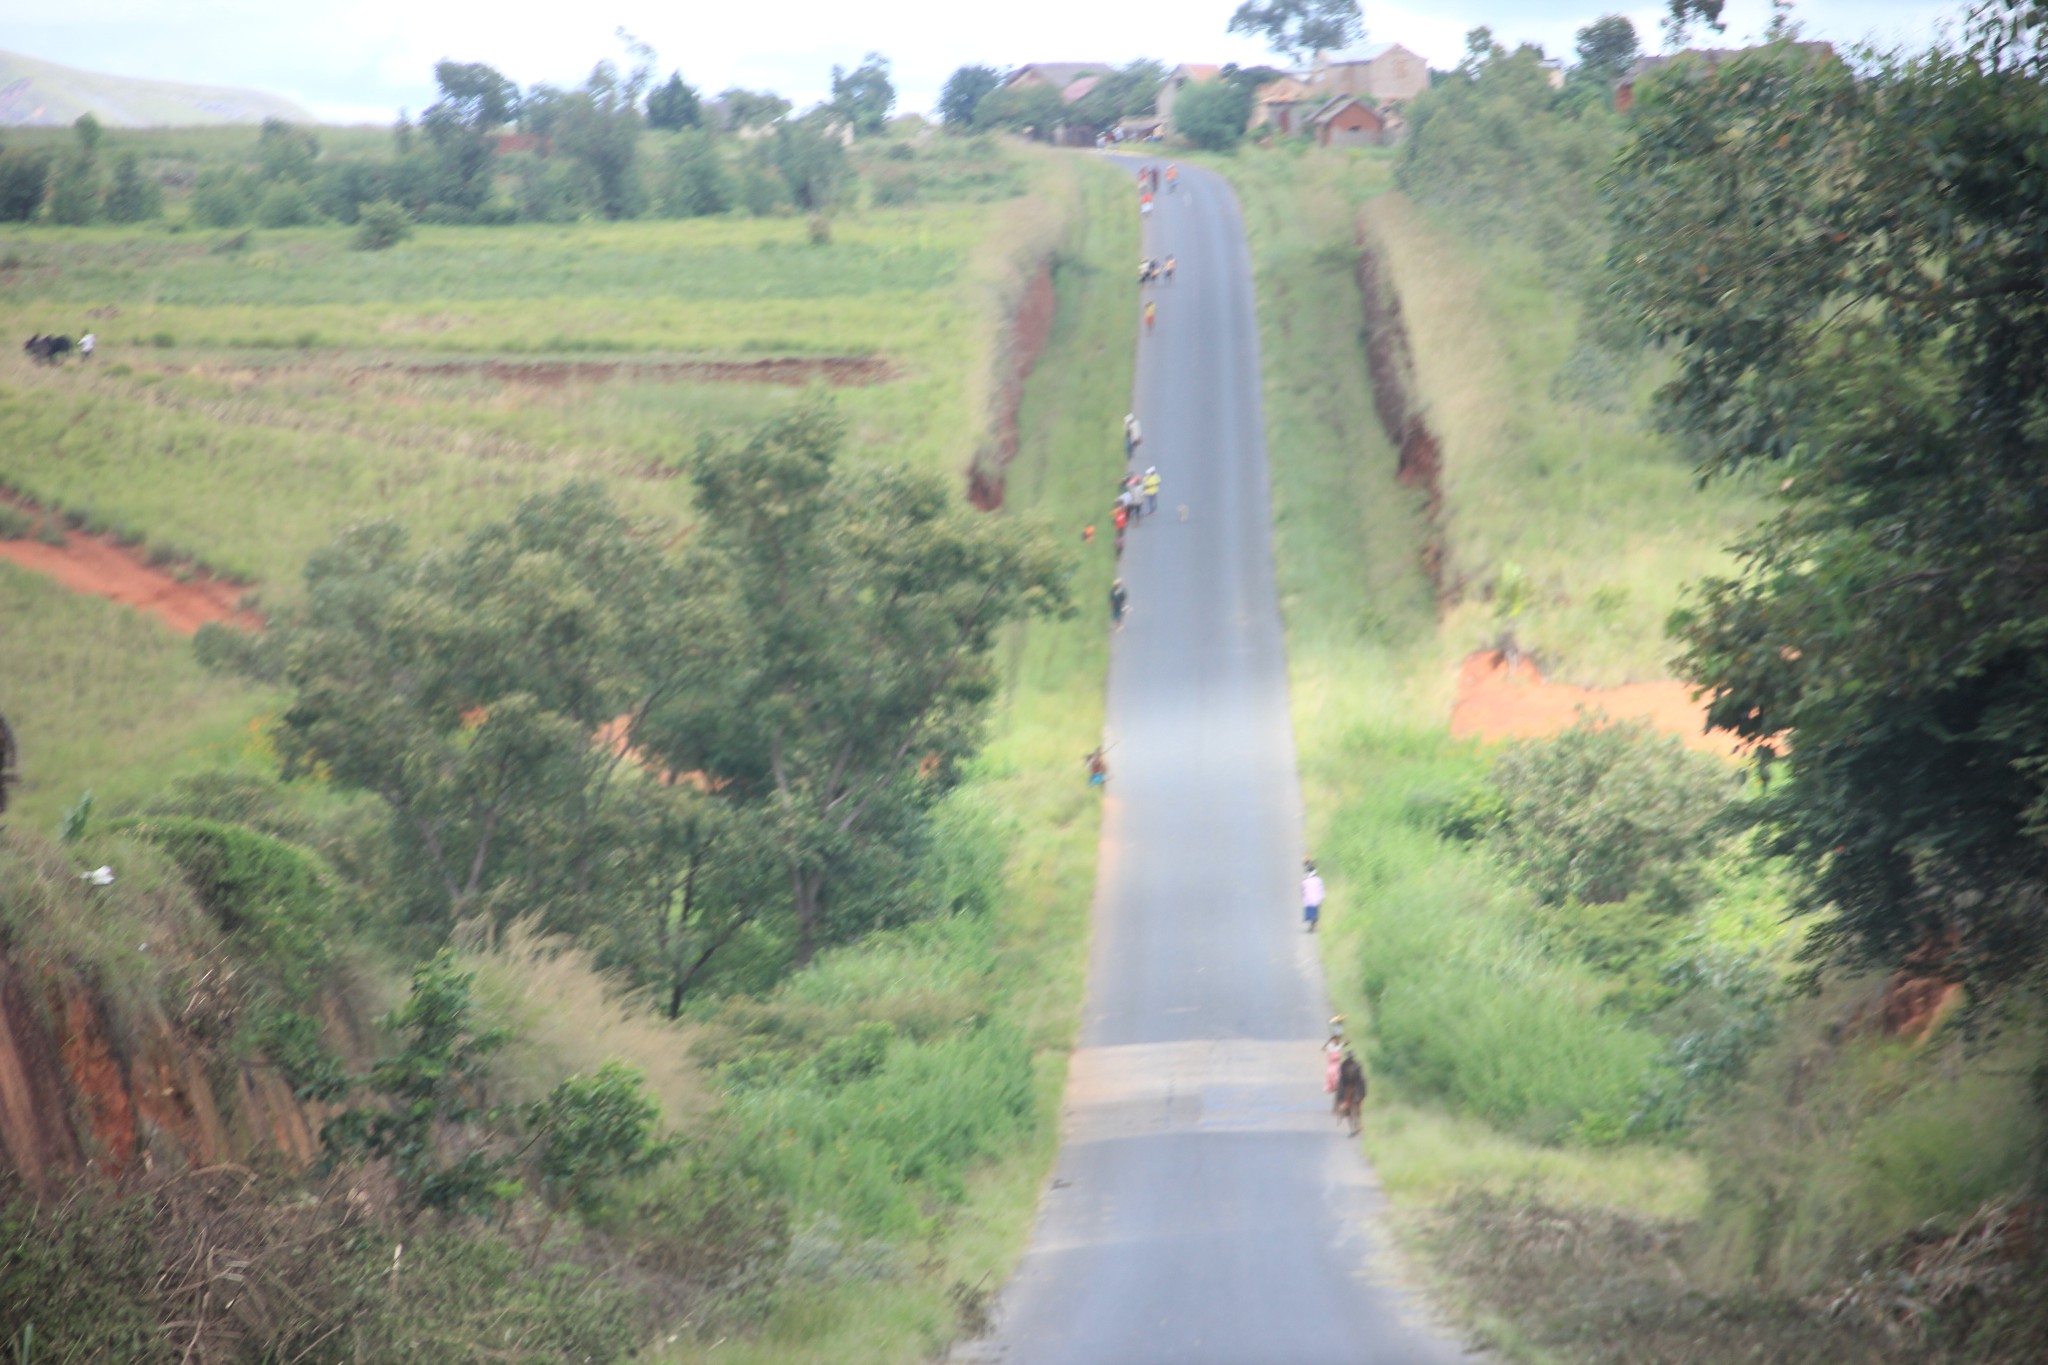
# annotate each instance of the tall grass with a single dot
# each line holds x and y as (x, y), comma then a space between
(101, 697)
(1551, 470)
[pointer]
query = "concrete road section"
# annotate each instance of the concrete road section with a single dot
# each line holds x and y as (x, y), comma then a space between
(1207, 1208)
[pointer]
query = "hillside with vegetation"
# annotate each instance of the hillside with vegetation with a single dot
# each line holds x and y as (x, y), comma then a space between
(1682, 1060)
(625, 897)
(39, 94)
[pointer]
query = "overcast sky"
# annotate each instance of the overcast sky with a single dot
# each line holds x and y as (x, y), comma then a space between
(363, 60)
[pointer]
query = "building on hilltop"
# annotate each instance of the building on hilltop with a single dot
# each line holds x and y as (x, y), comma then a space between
(1058, 76)
(1386, 74)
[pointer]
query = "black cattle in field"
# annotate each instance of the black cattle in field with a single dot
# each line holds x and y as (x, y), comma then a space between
(47, 349)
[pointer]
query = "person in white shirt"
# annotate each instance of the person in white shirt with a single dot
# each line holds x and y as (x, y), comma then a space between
(1311, 895)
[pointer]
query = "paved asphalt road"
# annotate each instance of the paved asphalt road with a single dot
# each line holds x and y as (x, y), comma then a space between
(1206, 1207)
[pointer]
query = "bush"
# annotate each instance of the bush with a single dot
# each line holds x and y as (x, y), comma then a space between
(381, 225)
(269, 895)
(285, 204)
(24, 179)
(133, 197)
(1605, 811)
(15, 524)
(692, 181)
(78, 1277)
(1213, 114)
(223, 198)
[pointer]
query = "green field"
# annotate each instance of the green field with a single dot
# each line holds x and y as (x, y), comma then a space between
(246, 406)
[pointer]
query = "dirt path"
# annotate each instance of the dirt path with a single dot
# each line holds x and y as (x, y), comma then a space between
(1498, 700)
(104, 567)
(839, 371)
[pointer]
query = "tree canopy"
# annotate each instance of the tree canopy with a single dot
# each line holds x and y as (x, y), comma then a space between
(1299, 28)
(674, 105)
(1852, 274)
(871, 603)
(963, 91)
(865, 95)
(1213, 114)
(1606, 47)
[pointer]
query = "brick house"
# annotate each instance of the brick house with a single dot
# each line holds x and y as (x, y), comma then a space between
(1348, 121)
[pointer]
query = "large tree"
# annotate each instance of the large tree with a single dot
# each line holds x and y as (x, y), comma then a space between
(1606, 48)
(864, 96)
(1299, 28)
(674, 105)
(475, 100)
(599, 129)
(872, 603)
(1213, 114)
(963, 91)
(1851, 273)
(468, 690)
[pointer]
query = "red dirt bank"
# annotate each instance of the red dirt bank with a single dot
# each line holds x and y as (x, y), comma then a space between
(103, 567)
(1499, 699)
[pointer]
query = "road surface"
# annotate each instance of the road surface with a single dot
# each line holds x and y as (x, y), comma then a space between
(1206, 1207)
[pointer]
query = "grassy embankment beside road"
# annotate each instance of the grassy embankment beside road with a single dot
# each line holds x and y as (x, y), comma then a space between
(909, 1193)
(1514, 1059)
(1479, 1015)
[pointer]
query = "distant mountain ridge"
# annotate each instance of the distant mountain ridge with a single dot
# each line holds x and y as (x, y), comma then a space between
(39, 94)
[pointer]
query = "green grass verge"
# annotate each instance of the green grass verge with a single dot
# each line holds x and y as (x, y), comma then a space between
(102, 697)
(1472, 1012)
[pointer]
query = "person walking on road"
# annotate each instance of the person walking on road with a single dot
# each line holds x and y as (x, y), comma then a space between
(1311, 895)
(1152, 482)
(1119, 603)
(1333, 1060)
(1151, 315)
(1171, 262)
(1134, 435)
(1350, 1090)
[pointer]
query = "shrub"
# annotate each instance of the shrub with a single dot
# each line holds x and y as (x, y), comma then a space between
(693, 181)
(78, 1277)
(222, 198)
(1607, 810)
(381, 225)
(285, 204)
(24, 178)
(1213, 114)
(15, 524)
(268, 894)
